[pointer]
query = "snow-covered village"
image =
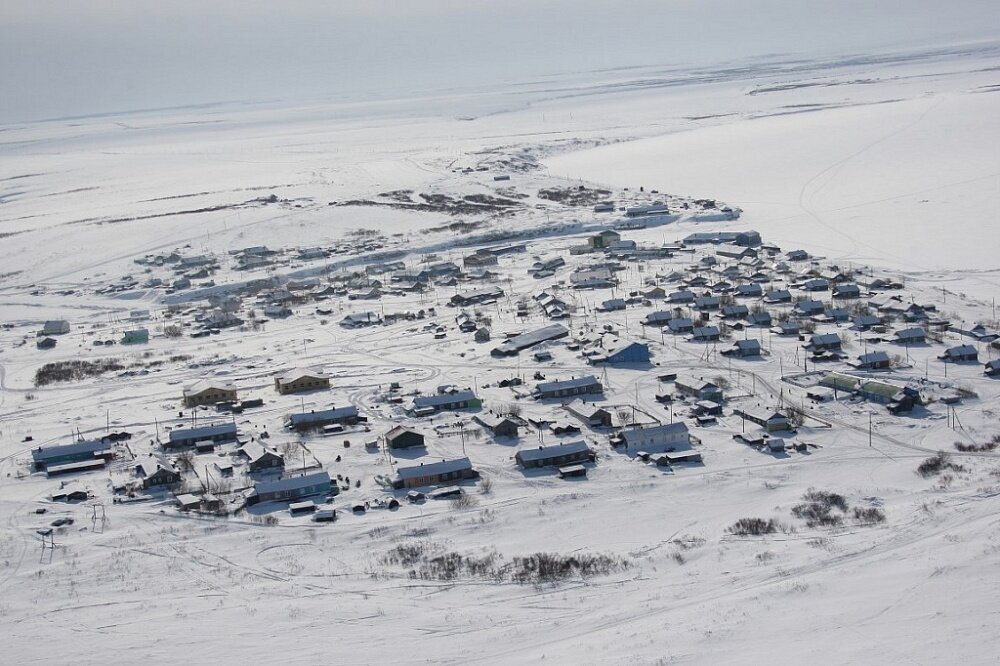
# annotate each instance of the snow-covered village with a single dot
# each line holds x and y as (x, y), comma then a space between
(507, 378)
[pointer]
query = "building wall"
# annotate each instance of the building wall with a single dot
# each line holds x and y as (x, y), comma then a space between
(190, 441)
(564, 459)
(432, 479)
(638, 442)
(209, 397)
(637, 354)
(406, 439)
(294, 494)
(562, 393)
(76, 457)
(303, 384)
(506, 430)
(266, 462)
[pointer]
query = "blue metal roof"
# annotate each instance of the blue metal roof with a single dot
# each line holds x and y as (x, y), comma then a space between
(532, 338)
(544, 452)
(323, 415)
(911, 333)
(76, 448)
(293, 483)
(635, 351)
(962, 350)
(578, 382)
(433, 469)
(666, 431)
(443, 399)
(204, 432)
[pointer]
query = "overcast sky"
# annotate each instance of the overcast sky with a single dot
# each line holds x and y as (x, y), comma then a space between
(60, 59)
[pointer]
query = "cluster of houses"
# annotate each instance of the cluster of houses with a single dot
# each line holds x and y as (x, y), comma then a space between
(735, 288)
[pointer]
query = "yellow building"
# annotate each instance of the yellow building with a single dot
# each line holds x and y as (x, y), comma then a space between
(208, 393)
(296, 381)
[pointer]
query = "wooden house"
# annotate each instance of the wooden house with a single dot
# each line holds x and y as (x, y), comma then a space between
(209, 393)
(554, 456)
(291, 489)
(401, 437)
(297, 381)
(428, 474)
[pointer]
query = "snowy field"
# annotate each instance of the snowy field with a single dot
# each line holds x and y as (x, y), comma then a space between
(879, 168)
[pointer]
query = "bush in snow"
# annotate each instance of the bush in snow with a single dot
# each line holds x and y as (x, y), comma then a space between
(936, 464)
(753, 527)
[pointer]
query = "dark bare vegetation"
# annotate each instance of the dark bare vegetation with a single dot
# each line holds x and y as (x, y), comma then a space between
(821, 509)
(472, 204)
(936, 464)
(869, 515)
(177, 358)
(458, 227)
(826, 509)
(574, 196)
(428, 561)
(67, 371)
(978, 448)
(753, 527)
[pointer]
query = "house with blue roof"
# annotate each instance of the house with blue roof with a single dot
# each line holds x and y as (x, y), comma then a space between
(82, 451)
(447, 400)
(347, 415)
(568, 387)
(554, 456)
(291, 489)
(186, 437)
(430, 474)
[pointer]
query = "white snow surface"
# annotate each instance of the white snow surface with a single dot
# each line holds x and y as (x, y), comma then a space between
(886, 163)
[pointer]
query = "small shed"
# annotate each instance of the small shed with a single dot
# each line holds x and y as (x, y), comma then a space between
(776, 444)
(136, 336)
(187, 501)
(572, 471)
(298, 508)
